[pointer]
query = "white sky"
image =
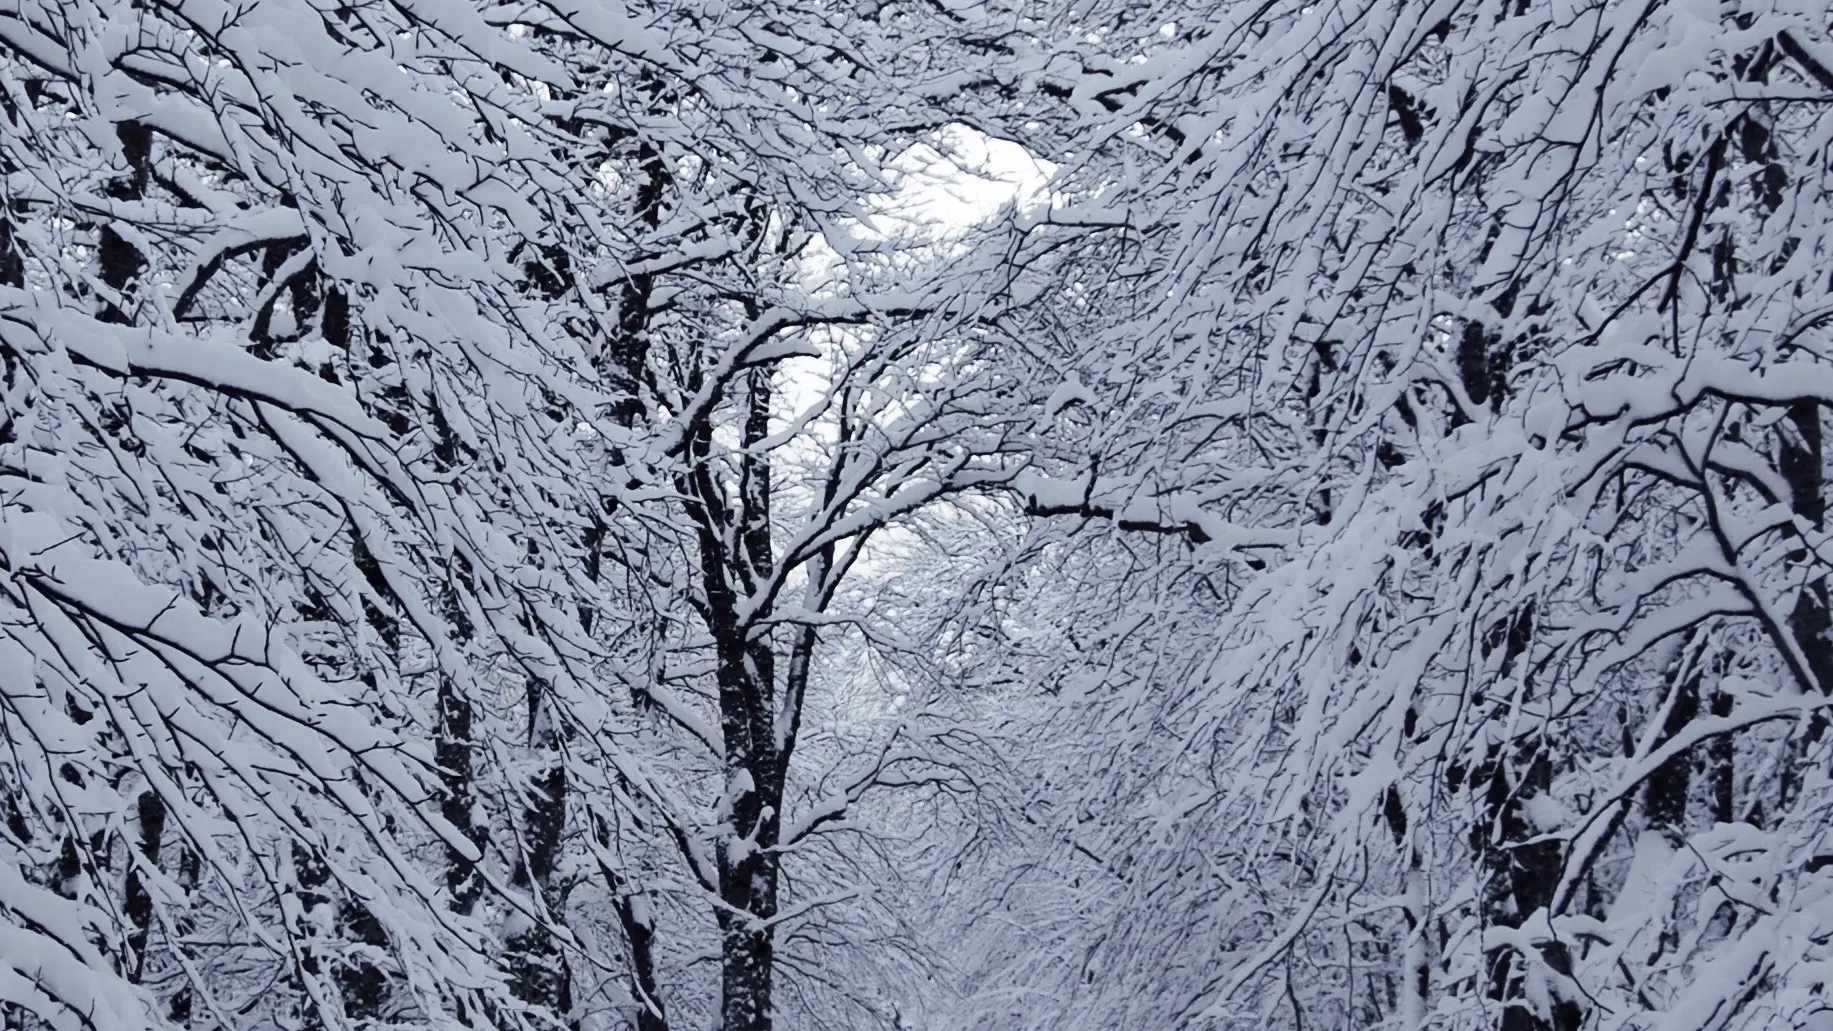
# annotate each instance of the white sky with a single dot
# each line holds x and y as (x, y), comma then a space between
(963, 179)
(945, 188)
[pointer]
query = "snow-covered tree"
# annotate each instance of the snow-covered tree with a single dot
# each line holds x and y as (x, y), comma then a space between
(505, 523)
(255, 323)
(1472, 353)
(420, 529)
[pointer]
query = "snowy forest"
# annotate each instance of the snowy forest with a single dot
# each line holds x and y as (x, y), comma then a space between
(916, 515)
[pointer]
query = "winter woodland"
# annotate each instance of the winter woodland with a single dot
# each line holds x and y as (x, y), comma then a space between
(923, 515)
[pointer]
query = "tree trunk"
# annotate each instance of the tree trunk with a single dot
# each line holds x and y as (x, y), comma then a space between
(1670, 787)
(748, 862)
(1520, 875)
(1415, 992)
(151, 814)
(311, 884)
(120, 261)
(1802, 466)
(1520, 879)
(539, 973)
(190, 873)
(362, 984)
(1800, 457)
(1721, 765)
(750, 820)
(453, 746)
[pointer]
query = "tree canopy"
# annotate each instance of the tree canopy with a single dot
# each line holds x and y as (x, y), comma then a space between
(539, 515)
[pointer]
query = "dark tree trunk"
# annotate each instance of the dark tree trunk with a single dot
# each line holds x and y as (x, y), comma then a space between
(453, 746)
(151, 814)
(454, 742)
(637, 919)
(1415, 988)
(539, 973)
(1801, 463)
(1670, 787)
(312, 886)
(1668, 794)
(748, 876)
(639, 931)
(12, 263)
(190, 874)
(121, 262)
(748, 834)
(755, 757)
(1520, 875)
(1520, 879)
(362, 984)
(1721, 765)
(626, 358)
